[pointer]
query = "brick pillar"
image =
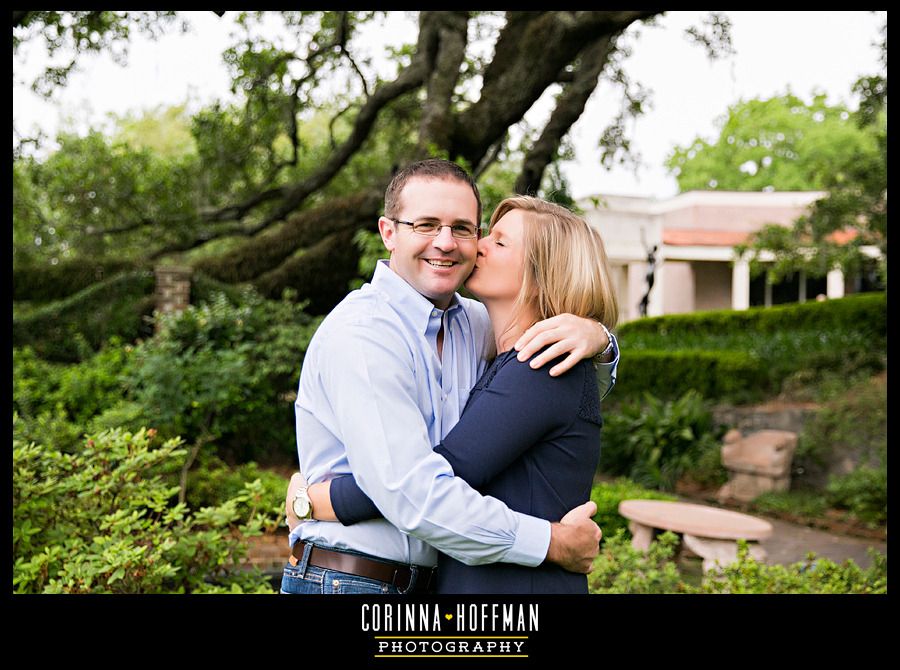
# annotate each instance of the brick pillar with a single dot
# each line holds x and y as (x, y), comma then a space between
(173, 288)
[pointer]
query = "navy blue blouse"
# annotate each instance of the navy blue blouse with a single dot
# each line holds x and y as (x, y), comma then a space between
(526, 438)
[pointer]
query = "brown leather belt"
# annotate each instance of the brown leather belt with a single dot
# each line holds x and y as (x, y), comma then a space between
(407, 578)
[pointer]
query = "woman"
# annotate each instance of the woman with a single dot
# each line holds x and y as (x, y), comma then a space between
(526, 438)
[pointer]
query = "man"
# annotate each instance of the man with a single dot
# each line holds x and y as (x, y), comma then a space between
(386, 376)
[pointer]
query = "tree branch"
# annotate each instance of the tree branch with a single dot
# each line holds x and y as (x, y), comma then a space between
(342, 45)
(436, 125)
(512, 85)
(292, 196)
(491, 157)
(265, 252)
(569, 107)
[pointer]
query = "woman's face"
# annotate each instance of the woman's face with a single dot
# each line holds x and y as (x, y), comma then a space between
(500, 263)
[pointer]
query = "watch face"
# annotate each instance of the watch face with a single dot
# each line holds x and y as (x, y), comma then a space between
(301, 506)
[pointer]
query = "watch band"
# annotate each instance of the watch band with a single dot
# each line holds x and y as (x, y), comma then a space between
(609, 343)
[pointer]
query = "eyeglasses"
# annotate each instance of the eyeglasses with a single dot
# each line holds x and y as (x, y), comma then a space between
(462, 231)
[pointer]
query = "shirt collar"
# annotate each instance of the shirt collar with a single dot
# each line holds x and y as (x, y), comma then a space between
(411, 304)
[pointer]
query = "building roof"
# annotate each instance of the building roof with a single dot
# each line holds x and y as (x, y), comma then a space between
(702, 237)
(843, 236)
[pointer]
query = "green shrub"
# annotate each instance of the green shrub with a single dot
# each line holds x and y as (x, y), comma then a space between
(863, 492)
(81, 390)
(620, 568)
(802, 503)
(35, 382)
(205, 288)
(811, 576)
(100, 521)
(654, 442)
(607, 496)
(72, 329)
(125, 414)
(707, 471)
(225, 373)
(851, 426)
(86, 389)
(53, 428)
(56, 402)
(213, 481)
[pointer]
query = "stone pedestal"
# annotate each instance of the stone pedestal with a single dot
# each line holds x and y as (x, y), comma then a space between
(758, 463)
(641, 535)
(719, 553)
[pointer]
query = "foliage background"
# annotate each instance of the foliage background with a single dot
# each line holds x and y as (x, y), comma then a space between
(276, 190)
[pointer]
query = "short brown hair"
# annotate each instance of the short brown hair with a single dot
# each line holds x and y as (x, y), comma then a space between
(431, 168)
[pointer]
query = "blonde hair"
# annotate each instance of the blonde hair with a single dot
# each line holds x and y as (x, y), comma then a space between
(566, 267)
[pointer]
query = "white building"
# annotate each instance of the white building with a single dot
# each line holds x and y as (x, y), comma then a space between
(694, 234)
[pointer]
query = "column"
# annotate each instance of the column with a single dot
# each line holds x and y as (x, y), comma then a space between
(740, 284)
(834, 283)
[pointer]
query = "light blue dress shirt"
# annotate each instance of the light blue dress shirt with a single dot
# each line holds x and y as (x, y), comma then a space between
(373, 400)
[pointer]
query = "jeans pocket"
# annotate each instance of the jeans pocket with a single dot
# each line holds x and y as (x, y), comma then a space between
(293, 583)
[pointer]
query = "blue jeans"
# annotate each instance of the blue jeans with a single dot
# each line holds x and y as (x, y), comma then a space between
(303, 578)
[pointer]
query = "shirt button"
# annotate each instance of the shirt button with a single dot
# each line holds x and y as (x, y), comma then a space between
(434, 312)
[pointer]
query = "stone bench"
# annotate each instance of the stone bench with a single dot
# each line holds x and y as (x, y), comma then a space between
(757, 463)
(709, 532)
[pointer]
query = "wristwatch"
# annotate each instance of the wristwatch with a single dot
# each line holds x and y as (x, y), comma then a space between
(302, 505)
(609, 344)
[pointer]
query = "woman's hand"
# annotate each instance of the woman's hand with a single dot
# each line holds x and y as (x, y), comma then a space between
(567, 333)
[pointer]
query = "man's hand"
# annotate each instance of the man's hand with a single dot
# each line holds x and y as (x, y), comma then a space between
(567, 333)
(575, 540)
(297, 481)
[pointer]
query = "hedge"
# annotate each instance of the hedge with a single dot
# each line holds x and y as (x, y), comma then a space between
(713, 374)
(45, 283)
(69, 330)
(863, 311)
(608, 495)
(743, 356)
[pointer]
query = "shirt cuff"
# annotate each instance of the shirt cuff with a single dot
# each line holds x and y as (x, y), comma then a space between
(532, 542)
(612, 367)
(349, 503)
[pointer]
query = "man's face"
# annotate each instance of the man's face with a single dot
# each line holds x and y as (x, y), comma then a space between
(500, 265)
(434, 266)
